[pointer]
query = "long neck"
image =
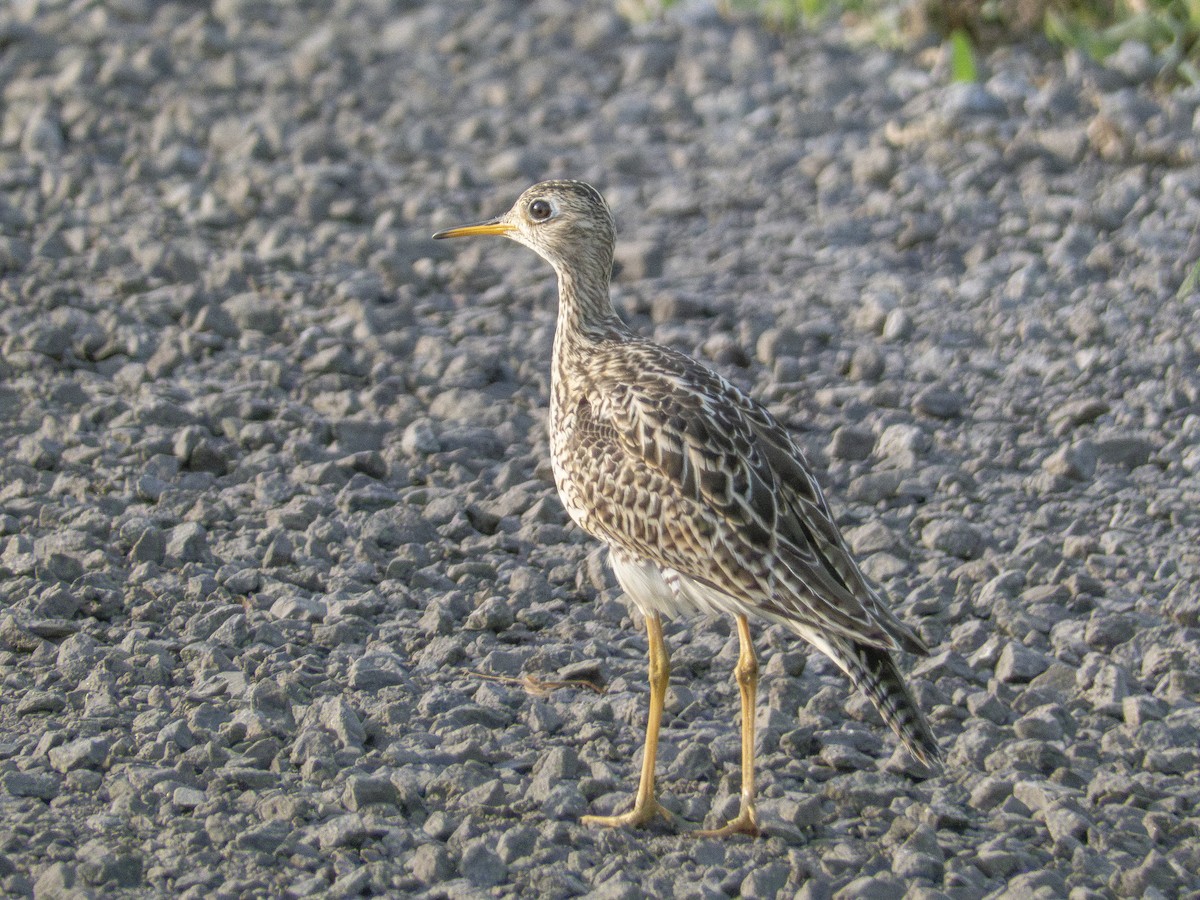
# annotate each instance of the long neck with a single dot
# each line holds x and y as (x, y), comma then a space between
(585, 310)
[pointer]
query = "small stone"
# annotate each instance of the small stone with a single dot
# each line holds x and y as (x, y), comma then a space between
(40, 701)
(336, 715)
(431, 864)
(480, 865)
(419, 439)
(177, 733)
(1128, 451)
(903, 440)
(908, 863)
(871, 887)
(765, 880)
(988, 706)
(1155, 873)
(346, 831)
(954, 537)
(516, 843)
(305, 609)
(42, 140)
(279, 552)
(1108, 631)
(1108, 690)
(188, 543)
(806, 813)
(1066, 144)
(377, 669)
(866, 364)
(638, 260)
(1074, 461)
(851, 443)
(554, 766)
(364, 790)
(57, 880)
(1069, 416)
(915, 229)
(781, 343)
(215, 320)
(966, 99)
(150, 546)
(265, 838)
(873, 537)
(990, 792)
(39, 451)
(898, 326)
(1065, 823)
(1141, 709)
(1038, 725)
(941, 403)
(84, 753)
(494, 614)
(1173, 761)
(1135, 60)
(254, 312)
(1018, 664)
(564, 802)
(873, 166)
(42, 785)
(187, 797)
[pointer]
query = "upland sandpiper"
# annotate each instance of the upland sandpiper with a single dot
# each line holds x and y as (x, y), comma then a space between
(703, 498)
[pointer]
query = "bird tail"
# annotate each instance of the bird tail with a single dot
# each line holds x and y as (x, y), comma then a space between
(873, 671)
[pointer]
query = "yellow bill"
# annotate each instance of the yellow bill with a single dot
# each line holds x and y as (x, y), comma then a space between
(492, 226)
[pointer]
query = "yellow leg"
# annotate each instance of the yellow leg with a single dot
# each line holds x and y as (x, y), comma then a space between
(746, 673)
(646, 806)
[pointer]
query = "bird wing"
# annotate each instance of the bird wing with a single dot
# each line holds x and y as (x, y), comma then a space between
(808, 512)
(690, 473)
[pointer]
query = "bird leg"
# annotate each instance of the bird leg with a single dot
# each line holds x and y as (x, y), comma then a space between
(746, 674)
(646, 806)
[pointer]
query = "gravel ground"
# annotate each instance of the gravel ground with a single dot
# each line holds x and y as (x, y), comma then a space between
(284, 585)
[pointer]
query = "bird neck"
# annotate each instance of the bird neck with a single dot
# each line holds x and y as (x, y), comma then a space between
(585, 310)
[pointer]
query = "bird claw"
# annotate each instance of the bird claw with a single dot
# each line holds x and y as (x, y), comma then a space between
(745, 823)
(636, 817)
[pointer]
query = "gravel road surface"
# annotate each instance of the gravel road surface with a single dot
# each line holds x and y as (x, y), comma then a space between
(288, 605)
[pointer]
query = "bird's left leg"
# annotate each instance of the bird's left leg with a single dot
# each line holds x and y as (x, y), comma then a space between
(746, 674)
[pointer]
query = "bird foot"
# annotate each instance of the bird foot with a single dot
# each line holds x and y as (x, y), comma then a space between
(640, 815)
(745, 823)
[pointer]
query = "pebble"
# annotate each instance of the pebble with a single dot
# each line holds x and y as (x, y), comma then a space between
(376, 670)
(939, 403)
(82, 753)
(851, 444)
(1018, 664)
(954, 537)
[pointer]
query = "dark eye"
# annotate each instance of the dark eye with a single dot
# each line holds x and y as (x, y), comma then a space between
(539, 210)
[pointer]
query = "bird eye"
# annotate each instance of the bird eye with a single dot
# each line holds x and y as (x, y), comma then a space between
(539, 210)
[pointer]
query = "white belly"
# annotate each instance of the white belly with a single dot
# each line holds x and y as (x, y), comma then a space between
(653, 590)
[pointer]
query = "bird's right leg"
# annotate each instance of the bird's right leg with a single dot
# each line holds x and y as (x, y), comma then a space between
(646, 806)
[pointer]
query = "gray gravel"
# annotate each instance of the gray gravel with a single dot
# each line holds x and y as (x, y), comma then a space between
(284, 587)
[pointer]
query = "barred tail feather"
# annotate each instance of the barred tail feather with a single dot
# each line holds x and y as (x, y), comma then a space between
(873, 671)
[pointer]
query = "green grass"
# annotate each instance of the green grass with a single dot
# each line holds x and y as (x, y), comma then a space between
(1191, 282)
(962, 57)
(1170, 28)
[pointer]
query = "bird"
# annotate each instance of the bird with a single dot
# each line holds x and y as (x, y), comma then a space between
(705, 501)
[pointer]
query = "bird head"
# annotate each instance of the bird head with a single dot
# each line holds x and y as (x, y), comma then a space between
(567, 223)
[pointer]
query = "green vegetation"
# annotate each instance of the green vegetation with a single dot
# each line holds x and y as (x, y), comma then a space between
(1191, 282)
(1170, 28)
(962, 57)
